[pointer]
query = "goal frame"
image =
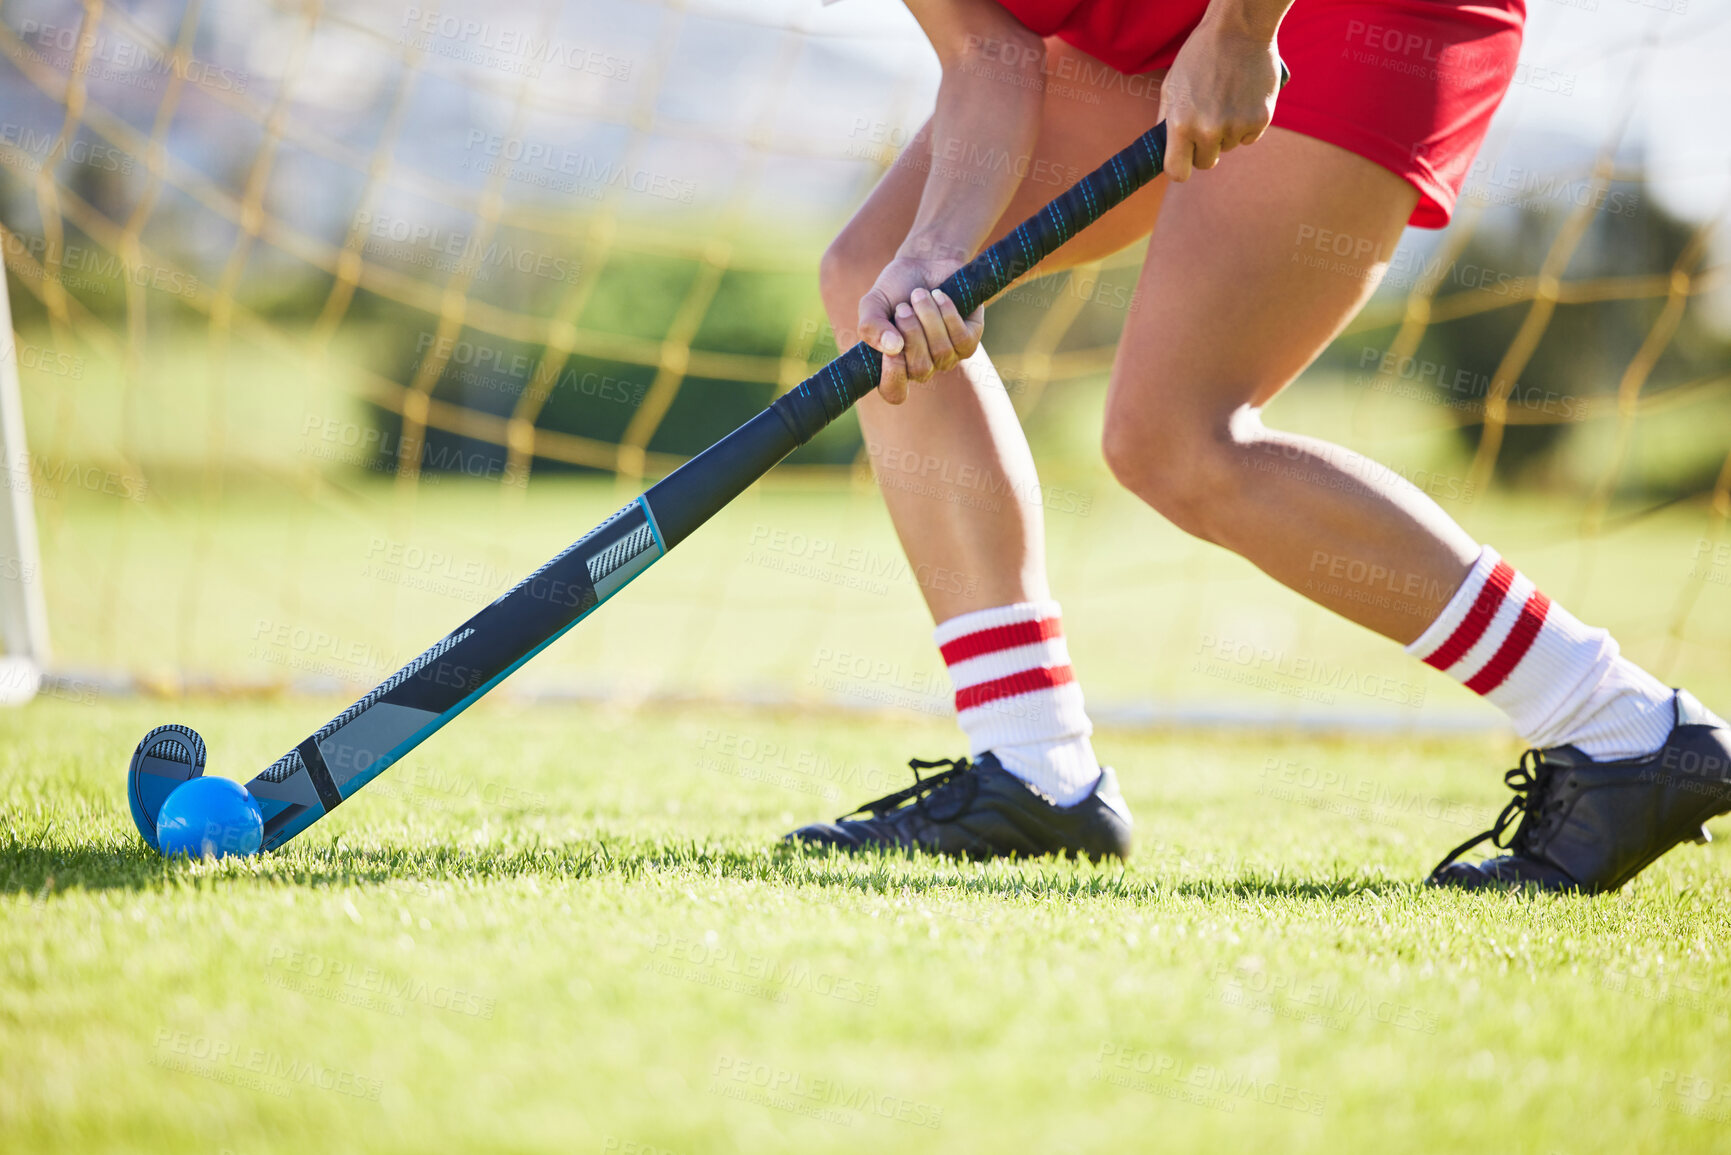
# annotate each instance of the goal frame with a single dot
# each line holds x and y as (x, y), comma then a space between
(24, 648)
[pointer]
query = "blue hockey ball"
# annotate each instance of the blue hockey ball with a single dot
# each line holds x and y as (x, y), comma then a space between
(209, 817)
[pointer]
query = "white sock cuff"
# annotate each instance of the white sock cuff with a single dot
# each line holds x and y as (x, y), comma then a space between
(1556, 677)
(1560, 681)
(1460, 605)
(1017, 696)
(1047, 652)
(973, 622)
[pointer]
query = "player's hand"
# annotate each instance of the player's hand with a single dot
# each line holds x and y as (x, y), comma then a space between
(915, 325)
(1218, 95)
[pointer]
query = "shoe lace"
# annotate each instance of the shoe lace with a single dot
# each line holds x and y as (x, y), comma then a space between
(956, 784)
(1532, 807)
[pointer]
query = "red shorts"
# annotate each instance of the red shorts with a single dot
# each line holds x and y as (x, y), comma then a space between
(1408, 84)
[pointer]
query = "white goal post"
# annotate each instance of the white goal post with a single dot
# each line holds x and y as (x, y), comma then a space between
(23, 609)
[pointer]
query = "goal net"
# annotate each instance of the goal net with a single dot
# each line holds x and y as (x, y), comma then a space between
(332, 319)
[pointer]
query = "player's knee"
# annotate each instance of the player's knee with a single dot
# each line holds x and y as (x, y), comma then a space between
(1186, 470)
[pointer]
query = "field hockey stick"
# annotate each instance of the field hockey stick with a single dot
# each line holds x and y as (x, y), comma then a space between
(359, 744)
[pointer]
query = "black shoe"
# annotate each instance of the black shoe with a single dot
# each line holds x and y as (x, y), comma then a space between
(1592, 826)
(980, 810)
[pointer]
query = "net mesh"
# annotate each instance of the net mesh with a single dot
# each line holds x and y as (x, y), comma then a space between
(159, 184)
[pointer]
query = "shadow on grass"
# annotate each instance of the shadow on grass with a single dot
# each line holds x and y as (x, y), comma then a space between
(44, 869)
(44, 864)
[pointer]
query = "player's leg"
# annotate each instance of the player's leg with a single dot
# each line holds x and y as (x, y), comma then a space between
(1224, 319)
(957, 437)
(955, 469)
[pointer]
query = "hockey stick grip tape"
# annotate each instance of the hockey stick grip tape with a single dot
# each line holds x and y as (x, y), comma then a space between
(829, 392)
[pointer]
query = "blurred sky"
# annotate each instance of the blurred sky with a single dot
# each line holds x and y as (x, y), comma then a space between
(702, 80)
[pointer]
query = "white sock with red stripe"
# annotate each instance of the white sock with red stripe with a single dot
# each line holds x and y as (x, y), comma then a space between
(1017, 696)
(1562, 683)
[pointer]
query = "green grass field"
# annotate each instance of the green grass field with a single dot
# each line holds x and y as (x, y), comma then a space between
(571, 929)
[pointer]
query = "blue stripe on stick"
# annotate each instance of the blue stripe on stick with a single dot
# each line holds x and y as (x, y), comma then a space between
(649, 515)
